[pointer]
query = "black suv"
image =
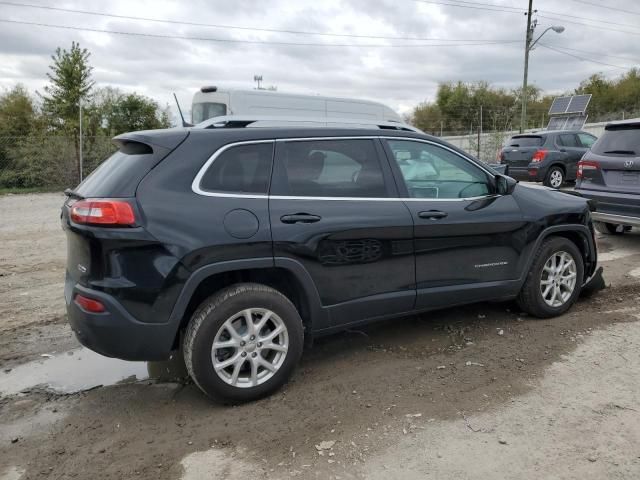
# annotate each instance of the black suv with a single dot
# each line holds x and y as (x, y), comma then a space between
(610, 174)
(238, 245)
(550, 157)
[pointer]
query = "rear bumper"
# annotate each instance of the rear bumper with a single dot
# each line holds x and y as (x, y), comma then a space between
(616, 219)
(531, 174)
(618, 208)
(115, 333)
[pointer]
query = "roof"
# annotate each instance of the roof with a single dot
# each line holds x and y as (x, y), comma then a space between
(541, 133)
(284, 121)
(630, 122)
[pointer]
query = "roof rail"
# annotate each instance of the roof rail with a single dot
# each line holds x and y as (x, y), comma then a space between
(258, 121)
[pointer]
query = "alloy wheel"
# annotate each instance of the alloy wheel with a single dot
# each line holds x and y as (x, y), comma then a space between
(555, 179)
(558, 279)
(250, 347)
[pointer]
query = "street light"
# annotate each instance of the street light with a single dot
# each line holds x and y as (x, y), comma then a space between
(531, 26)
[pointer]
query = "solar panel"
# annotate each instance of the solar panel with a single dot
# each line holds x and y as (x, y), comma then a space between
(559, 105)
(567, 122)
(574, 104)
(556, 123)
(578, 104)
(575, 122)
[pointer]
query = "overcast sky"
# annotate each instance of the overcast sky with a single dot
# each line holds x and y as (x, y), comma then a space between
(394, 73)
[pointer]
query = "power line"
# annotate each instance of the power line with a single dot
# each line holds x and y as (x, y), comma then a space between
(558, 16)
(596, 20)
(255, 42)
(597, 53)
(582, 58)
(607, 7)
(492, 7)
(597, 27)
(230, 27)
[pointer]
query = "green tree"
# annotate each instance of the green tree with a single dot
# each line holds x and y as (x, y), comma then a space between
(17, 112)
(132, 112)
(18, 118)
(69, 83)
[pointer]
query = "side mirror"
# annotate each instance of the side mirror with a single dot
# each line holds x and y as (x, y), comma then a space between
(505, 185)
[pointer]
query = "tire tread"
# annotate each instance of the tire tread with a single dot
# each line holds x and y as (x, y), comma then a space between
(204, 310)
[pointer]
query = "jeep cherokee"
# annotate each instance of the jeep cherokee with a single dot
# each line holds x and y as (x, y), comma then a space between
(238, 245)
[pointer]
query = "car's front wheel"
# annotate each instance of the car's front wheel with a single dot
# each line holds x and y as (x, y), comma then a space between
(555, 177)
(243, 343)
(554, 280)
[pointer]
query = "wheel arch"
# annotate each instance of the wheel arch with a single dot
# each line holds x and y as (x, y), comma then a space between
(580, 235)
(560, 165)
(289, 277)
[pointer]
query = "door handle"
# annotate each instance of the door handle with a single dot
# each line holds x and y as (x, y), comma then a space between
(300, 218)
(433, 214)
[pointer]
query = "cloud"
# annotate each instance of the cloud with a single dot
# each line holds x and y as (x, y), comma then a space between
(398, 76)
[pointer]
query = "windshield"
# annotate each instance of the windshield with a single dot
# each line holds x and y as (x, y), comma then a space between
(205, 111)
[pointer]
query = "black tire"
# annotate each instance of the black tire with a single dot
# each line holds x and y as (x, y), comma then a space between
(610, 228)
(530, 299)
(552, 175)
(209, 319)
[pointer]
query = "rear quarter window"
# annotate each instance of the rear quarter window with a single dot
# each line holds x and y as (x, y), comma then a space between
(618, 141)
(240, 169)
(528, 141)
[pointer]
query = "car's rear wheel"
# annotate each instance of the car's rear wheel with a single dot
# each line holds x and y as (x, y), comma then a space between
(554, 280)
(554, 178)
(611, 228)
(243, 343)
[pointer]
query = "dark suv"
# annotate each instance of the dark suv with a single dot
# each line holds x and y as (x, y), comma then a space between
(550, 157)
(610, 174)
(238, 245)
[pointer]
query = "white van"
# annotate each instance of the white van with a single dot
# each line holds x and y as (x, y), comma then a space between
(212, 102)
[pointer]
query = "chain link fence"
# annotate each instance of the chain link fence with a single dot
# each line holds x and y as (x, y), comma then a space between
(485, 143)
(49, 161)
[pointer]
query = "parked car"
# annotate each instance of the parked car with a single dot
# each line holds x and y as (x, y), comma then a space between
(240, 245)
(550, 157)
(610, 174)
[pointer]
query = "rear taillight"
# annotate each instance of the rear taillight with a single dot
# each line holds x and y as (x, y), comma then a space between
(586, 166)
(103, 212)
(89, 304)
(539, 155)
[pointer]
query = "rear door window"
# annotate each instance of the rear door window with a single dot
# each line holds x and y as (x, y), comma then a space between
(586, 140)
(619, 142)
(526, 141)
(240, 169)
(329, 168)
(568, 140)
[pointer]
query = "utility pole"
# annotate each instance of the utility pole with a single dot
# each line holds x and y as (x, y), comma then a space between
(479, 130)
(527, 47)
(80, 136)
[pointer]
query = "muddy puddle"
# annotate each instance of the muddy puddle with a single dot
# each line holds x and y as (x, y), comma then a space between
(82, 369)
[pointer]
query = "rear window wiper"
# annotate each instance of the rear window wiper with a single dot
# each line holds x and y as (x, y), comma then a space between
(621, 152)
(73, 194)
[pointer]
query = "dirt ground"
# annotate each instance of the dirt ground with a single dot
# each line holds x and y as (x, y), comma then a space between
(475, 392)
